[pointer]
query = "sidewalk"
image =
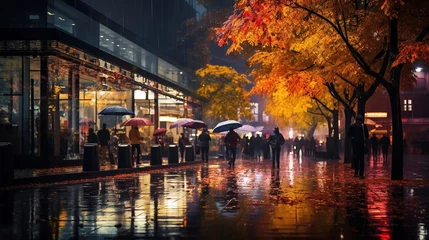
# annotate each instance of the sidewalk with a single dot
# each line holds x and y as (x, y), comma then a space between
(50, 175)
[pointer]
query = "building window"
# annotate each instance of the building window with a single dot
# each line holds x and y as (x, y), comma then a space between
(408, 105)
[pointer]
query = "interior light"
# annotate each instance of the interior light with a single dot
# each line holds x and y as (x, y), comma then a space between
(113, 42)
(117, 45)
(51, 14)
(101, 36)
(73, 24)
(124, 48)
(181, 72)
(107, 39)
(62, 19)
(419, 69)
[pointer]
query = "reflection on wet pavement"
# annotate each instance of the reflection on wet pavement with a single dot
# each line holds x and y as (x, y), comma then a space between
(303, 199)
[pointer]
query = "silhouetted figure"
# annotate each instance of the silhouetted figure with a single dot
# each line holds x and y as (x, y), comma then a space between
(252, 147)
(92, 137)
(205, 139)
(296, 146)
(289, 144)
(257, 143)
(385, 143)
(358, 132)
(231, 141)
(374, 146)
(276, 140)
(313, 146)
(183, 141)
(103, 139)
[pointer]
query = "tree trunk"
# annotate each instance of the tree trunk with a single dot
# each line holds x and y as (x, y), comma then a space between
(311, 131)
(335, 131)
(347, 144)
(329, 122)
(361, 106)
(397, 143)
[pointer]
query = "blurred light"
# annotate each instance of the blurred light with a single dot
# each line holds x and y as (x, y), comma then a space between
(181, 72)
(51, 14)
(62, 19)
(291, 133)
(419, 69)
(117, 45)
(107, 39)
(101, 36)
(73, 24)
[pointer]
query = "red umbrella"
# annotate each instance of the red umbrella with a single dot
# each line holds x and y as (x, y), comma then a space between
(159, 131)
(195, 124)
(136, 122)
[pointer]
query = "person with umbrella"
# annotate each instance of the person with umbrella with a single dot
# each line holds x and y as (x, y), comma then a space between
(232, 139)
(276, 140)
(183, 141)
(103, 139)
(135, 138)
(205, 139)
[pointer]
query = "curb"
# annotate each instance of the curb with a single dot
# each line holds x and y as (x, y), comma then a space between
(94, 174)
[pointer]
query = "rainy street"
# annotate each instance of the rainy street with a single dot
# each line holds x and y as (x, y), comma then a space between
(303, 199)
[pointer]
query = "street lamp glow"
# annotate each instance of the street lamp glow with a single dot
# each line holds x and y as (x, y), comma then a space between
(419, 69)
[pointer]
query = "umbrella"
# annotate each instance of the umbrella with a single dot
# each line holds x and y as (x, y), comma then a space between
(116, 111)
(86, 120)
(180, 122)
(226, 125)
(195, 124)
(136, 122)
(247, 128)
(159, 131)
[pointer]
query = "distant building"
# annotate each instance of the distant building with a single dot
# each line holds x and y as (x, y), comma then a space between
(414, 109)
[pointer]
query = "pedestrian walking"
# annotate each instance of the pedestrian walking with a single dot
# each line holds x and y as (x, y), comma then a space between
(231, 141)
(289, 144)
(358, 132)
(103, 140)
(183, 141)
(205, 139)
(134, 136)
(258, 147)
(385, 143)
(276, 140)
(374, 146)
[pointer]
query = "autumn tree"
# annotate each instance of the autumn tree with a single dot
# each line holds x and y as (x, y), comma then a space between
(225, 90)
(369, 31)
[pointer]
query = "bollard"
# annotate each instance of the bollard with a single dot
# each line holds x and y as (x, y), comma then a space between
(124, 156)
(189, 153)
(173, 154)
(155, 155)
(90, 157)
(6, 163)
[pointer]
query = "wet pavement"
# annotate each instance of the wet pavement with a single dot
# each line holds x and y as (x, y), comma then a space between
(304, 199)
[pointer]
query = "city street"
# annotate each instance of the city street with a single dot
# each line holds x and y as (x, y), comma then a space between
(304, 199)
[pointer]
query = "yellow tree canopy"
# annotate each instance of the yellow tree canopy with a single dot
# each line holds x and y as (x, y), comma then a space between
(225, 90)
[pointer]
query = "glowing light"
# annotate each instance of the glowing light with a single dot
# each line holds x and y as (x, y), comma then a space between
(291, 133)
(51, 14)
(419, 69)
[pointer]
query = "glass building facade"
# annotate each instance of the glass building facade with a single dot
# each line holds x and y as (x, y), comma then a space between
(62, 62)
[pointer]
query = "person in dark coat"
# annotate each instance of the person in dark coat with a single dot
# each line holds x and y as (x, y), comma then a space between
(92, 137)
(289, 144)
(257, 143)
(205, 139)
(183, 141)
(276, 140)
(374, 146)
(103, 138)
(385, 143)
(358, 132)
(231, 141)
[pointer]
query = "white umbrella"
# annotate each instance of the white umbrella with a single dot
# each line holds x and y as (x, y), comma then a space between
(180, 122)
(226, 125)
(247, 128)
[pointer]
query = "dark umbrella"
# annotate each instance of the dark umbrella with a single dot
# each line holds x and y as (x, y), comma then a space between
(226, 125)
(116, 111)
